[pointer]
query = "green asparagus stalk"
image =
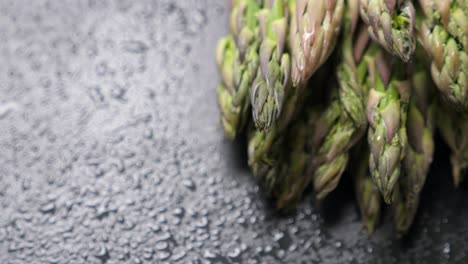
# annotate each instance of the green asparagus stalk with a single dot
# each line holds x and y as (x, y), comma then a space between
(387, 109)
(327, 172)
(367, 194)
(301, 142)
(405, 204)
(277, 161)
(348, 106)
(264, 155)
(420, 127)
(238, 60)
(280, 158)
(443, 31)
(244, 24)
(420, 150)
(454, 130)
(273, 76)
(314, 29)
(391, 24)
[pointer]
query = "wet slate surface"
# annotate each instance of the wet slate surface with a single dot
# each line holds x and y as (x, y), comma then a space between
(111, 151)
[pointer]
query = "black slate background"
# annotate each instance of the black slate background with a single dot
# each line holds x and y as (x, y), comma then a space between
(111, 151)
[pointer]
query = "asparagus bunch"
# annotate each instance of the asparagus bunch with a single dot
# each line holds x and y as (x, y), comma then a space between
(443, 31)
(310, 109)
(391, 24)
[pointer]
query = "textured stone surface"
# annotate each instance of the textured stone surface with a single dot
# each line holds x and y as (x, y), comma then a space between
(111, 151)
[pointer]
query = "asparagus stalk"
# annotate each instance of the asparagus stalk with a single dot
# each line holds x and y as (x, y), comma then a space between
(443, 31)
(405, 205)
(420, 148)
(367, 194)
(314, 29)
(420, 127)
(387, 110)
(280, 158)
(238, 60)
(350, 122)
(391, 24)
(454, 130)
(273, 76)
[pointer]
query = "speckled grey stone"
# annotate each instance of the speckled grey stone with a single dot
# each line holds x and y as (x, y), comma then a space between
(111, 151)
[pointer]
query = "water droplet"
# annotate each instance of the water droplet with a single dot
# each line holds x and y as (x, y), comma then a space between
(189, 184)
(6, 108)
(163, 255)
(163, 237)
(446, 249)
(103, 254)
(26, 185)
(118, 92)
(258, 250)
(204, 212)
(148, 253)
(155, 228)
(241, 221)
(281, 253)
(48, 208)
(277, 236)
(293, 248)
(208, 254)
(253, 220)
(162, 245)
(314, 217)
(235, 253)
(148, 133)
(101, 69)
(178, 256)
(293, 229)
(179, 212)
(134, 46)
(338, 244)
(307, 244)
(128, 225)
(162, 219)
(202, 223)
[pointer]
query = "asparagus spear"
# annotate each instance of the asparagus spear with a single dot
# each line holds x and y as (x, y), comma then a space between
(420, 126)
(443, 31)
(280, 158)
(367, 194)
(238, 60)
(420, 148)
(314, 30)
(350, 120)
(273, 76)
(405, 205)
(387, 109)
(391, 24)
(454, 130)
